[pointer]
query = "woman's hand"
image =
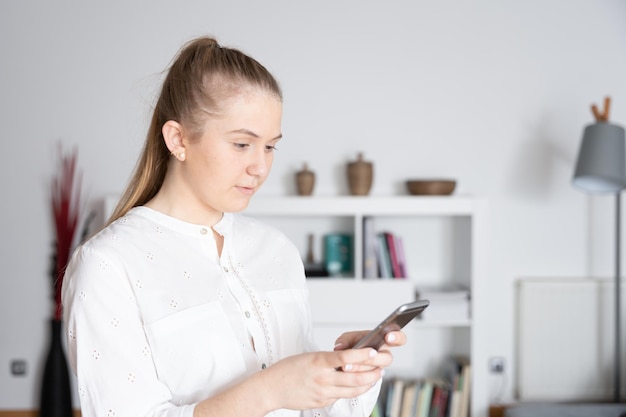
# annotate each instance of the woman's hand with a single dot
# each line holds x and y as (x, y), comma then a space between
(349, 339)
(299, 382)
(316, 379)
(384, 357)
(308, 380)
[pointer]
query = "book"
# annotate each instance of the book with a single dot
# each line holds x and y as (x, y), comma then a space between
(401, 256)
(409, 398)
(457, 372)
(465, 390)
(395, 402)
(439, 403)
(393, 254)
(415, 404)
(423, 406)
(370, 258)
(385, 399)
(383, 257)
(454, 405)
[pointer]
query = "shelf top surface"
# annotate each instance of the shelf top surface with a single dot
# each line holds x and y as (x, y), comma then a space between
(363, 205)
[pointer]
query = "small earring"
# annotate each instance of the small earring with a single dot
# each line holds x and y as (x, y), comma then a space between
(180, 156)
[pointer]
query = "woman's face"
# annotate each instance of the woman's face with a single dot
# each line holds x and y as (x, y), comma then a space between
(232, 158)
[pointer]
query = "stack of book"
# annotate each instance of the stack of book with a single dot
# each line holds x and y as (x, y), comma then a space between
(458, 373)
(383, 253)
(428, 397)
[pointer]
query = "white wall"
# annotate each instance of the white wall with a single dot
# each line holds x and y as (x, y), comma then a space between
(492, 93)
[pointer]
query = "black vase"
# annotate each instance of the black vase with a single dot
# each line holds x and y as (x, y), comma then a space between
(56, 396)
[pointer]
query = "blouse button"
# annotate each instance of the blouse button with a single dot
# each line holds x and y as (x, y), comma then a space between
(247, 313)
(263, 366)
(203, 231)
(225, 269)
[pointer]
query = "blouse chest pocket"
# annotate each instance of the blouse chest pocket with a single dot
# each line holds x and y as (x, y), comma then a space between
(195, 351)
(291, 314)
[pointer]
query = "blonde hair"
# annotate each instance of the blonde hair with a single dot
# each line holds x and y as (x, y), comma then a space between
(202, 75)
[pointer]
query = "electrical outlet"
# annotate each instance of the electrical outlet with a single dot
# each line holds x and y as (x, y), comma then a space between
(18, 367)
(496, 365)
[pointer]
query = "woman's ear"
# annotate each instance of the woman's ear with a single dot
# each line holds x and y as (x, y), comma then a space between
(173, 137)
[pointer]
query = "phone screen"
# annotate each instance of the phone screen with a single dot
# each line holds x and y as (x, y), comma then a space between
(395, 321)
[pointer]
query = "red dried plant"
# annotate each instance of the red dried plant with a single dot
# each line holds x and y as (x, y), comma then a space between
(65, 200)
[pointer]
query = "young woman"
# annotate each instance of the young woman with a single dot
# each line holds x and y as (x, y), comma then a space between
(179, 307)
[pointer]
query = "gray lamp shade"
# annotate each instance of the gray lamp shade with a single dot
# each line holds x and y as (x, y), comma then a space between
(601, 167)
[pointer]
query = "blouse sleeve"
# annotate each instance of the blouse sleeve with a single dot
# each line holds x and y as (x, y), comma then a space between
(107, 347)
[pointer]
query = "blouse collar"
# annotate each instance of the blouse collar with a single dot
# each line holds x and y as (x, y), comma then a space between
(223, 227)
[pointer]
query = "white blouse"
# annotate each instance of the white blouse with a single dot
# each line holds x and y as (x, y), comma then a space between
(156, 322)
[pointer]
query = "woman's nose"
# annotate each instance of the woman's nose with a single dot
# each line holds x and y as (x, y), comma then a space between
(260, 164)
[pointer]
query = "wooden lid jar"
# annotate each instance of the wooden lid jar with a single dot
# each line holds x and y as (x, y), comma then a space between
(305, 180)
(360, 176)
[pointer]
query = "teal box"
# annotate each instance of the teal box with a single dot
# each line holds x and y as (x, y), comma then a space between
(338, 253)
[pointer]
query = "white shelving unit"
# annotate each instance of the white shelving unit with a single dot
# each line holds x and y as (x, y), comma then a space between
(445, 240)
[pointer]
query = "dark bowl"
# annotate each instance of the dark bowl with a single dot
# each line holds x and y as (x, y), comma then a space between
(430, 187)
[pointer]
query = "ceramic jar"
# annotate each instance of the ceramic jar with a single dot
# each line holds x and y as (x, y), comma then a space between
(360, 176)
(305, 181)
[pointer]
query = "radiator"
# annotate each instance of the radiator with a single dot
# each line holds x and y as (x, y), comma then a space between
(565, 339)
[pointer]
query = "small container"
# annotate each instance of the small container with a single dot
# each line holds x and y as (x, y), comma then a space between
(431, 186)
(305, 181)
(360, 176)
(338, 254)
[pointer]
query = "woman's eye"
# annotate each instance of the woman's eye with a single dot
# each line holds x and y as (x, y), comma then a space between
(270, 148)
(241, 145)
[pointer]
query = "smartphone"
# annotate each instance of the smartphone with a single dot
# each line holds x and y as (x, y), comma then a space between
(395, 321)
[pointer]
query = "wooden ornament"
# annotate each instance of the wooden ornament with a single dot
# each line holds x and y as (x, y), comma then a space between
(305, 180)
